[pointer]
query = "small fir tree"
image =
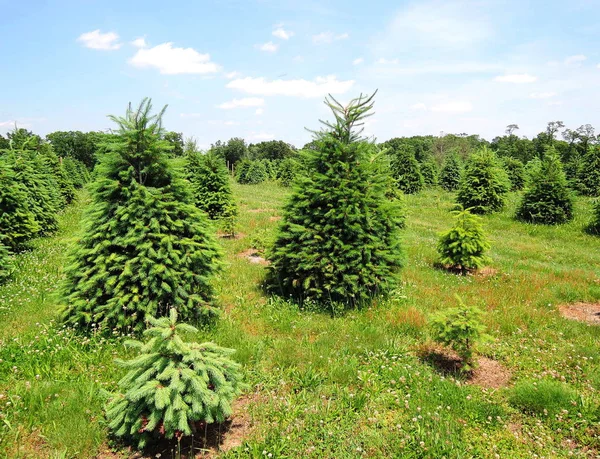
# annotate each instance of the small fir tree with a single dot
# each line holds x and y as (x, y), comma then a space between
(484, 184)
(287, 172)
(406, 170)
(145, 246)
(229, 219)
(461, 329)
(547, 198)
(463, 247)
(451, 172)
(17, 221)
(589, 174)
(429, 171)
(173, 388)
(241, 169)
(594, 225)
(516, 173)
(252, 172)
(210, 183)
(339, 241)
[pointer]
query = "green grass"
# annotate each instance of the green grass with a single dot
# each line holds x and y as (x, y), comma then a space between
(349, 386)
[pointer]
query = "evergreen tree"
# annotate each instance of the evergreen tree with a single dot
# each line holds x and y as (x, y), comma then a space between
(516, 173)
(287, 172)
(173, 388)
(145, 246)
(43, 200)
(463, 247)
(256, 172)
(406, 170)
(76, 172)
(451, 172)
(339, 241)
(594, 226)
(429, 171)
(484, 183)
(547, 198)
(17, 221)
(210, 183)
(573, 171)
(589, 175)
(241, 170)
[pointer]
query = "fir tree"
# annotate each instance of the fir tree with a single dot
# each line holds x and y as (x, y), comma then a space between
(589, 174)
(406, 170)
(451, 172)
(339, 241)
(573, 173)
(287, 172)
(145, 246)
(173, 388)
(43, 199)
(17, 221)
(211, 187)
(241, 170)
(547, 198)
(252, 172)
(516, 173)
(484, 183)
(429, 171)
(594, 225)
(463, 247)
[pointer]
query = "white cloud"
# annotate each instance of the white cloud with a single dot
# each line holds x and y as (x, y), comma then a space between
(517, 78)
(268, 47)
(10, 123)
(259, 111)
(319, 87)
(280, 32)
(541, 95)
(575, 60)
(98, 40)
(245, 102)
(232, 75)
(358, 61)
(140, 43)
(453, 107)
(325, 38)
(419, 106)
(173, 61)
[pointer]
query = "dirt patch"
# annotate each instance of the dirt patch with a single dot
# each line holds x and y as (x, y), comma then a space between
(489, 373)
(253, 256)
(485, 272)
(229, 236)
(274, 218)
(583, 312)
(211, 440)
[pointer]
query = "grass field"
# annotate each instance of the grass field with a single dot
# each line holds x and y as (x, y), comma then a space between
(346, 386)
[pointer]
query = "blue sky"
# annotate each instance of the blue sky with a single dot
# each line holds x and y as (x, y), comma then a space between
(260, 69)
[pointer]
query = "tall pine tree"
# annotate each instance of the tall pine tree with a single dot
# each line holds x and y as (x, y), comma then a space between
(547, 198)
(484, 183)
(173, 388)
(589, 174)
(429, 171)
(211, 186)
(339, 241)
(145, 247)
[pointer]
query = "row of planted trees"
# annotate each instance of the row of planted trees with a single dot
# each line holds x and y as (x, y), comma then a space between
(35, 184)
(148, 255)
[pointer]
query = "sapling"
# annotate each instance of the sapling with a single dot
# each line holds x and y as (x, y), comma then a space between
(463, 247)
(173, 388)
(461, 329)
